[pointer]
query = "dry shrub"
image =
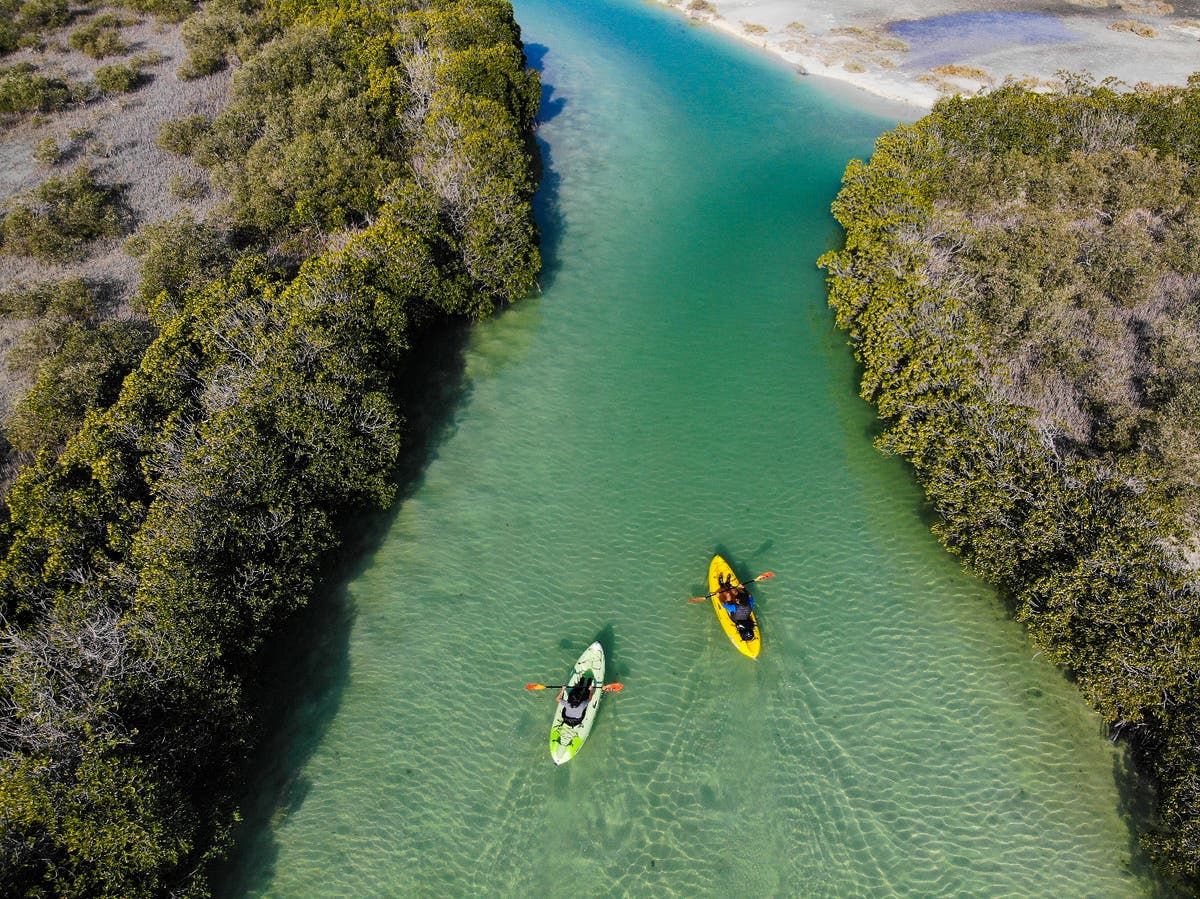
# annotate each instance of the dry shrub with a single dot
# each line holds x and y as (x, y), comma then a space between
(968, 73)
(752, 28)
(1147, 7)
(55, 222)
(941, 84)
(702, 6)
(148, 59)
(855, 67)
(1141, 29)
(71, 298)
(118, 79)
(867, 38)
(797, 27)
(38, 14)
(1035, 82)
(47, 152)
(98, 41)
(222, 33)
(179, 136)
(169, 11)
(22, 90)
(10, 36)
(184, 187)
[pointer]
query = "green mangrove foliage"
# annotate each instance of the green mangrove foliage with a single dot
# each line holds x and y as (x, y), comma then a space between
(179, 136)
(41, 15)
(1020, 281)
(99, 38)
(77, 361)
(146, 563)
(223, 31)
(10, 33)
(84, 373)
(57, 220)
(22, 90)
(177, 258)
(119, 79)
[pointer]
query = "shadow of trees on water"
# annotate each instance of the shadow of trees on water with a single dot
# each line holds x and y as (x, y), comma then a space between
(306, 666)
(546, 204)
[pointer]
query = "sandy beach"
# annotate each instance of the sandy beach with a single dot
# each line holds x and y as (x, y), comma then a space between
(915, 53)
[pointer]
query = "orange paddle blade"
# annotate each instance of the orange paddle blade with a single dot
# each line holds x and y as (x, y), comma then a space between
(535, 686)
(613, 688)
(765, 574)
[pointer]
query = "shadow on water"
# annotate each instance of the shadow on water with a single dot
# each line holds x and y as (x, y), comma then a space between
(607, 638)
(551, 106)
(763, 549)
(736, 562)
(1137, 810)
(546, 208)
(306, 666)
(300, 693)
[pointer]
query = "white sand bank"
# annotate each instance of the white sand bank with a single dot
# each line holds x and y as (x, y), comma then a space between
(916, 52)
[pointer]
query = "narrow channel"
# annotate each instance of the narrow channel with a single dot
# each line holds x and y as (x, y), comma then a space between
(678, 389)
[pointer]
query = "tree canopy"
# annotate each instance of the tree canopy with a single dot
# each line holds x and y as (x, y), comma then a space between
(380, 172)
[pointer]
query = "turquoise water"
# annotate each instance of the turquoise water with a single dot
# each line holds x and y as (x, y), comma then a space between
(678, 389)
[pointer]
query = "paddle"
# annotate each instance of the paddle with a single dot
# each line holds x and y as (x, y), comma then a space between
(607, 688)
(765, 574)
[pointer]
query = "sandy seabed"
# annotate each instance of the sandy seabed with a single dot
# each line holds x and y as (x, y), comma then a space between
(915, 53)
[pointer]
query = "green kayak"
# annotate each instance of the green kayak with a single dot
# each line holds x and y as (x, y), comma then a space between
(567, 738)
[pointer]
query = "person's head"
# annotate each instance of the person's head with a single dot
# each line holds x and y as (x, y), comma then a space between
(579, 690)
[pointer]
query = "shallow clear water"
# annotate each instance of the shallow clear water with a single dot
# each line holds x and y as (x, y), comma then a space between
(678, 389)
(939, 40)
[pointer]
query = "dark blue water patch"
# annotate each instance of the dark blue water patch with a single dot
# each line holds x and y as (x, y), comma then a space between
(940, 40)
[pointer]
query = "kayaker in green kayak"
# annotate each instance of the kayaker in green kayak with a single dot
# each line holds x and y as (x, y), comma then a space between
(574, 701)
(578, 699)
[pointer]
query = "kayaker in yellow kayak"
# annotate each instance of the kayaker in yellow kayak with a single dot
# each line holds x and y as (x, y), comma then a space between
(738, 602)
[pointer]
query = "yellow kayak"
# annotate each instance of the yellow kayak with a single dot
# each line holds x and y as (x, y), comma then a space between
(718, 568)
